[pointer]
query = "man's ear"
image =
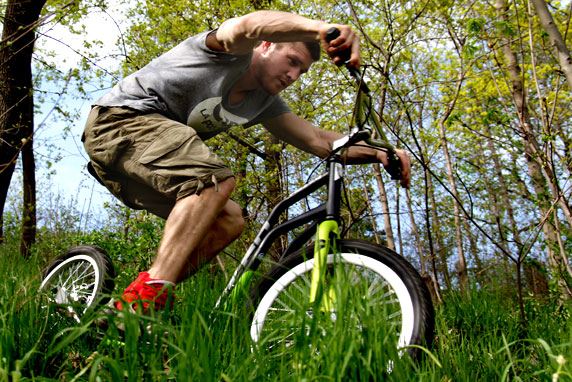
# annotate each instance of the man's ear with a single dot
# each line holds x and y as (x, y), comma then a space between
(265, 46)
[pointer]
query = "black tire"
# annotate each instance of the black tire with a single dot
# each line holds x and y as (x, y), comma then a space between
(395, 287)
(79, 281)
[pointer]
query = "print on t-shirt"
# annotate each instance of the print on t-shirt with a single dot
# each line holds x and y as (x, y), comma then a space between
(209, 117)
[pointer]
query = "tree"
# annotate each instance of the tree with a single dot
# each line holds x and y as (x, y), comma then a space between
(17, 108)
(475, 94)
(540, 171)
(562, 51)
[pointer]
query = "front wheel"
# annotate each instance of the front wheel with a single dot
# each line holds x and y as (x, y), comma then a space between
(375, 298)
(79, 280)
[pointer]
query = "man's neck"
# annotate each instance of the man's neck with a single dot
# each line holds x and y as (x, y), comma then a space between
(244, 85)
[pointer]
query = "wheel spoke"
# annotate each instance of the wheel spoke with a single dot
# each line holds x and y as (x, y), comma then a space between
(282, 310)
(366, 293)
(73, 282)
(79, 272)
(70, 273)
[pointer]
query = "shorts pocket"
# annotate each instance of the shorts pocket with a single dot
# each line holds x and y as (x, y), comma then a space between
(168, 141)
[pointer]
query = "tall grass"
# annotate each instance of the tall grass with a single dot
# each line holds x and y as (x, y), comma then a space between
(478, 338)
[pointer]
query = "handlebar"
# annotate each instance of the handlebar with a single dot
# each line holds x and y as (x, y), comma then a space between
(364, 99)
(332, 34)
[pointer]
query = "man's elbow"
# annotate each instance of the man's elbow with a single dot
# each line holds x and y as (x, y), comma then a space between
(236, 35)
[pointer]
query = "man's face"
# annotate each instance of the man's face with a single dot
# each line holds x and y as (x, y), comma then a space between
(279, 65)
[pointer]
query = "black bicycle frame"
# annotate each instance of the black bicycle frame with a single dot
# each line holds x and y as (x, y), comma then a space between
(271, 229)
(330, 210)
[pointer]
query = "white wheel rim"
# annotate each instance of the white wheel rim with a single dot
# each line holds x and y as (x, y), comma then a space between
(72, 281)
(404, 298)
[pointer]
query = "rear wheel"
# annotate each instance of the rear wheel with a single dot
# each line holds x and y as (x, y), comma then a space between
(80, 280)
(379, 300)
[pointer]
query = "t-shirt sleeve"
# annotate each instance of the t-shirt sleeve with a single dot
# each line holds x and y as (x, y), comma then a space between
(277, 107)
(220, 57)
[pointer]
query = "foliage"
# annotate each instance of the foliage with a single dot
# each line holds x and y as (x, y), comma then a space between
(479, 337)
(440, 78)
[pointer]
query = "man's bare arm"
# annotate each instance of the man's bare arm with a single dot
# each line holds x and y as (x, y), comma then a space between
(241, 34)
(302, 134)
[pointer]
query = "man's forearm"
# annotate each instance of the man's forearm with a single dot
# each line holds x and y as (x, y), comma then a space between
(241, 34)
(355, 154)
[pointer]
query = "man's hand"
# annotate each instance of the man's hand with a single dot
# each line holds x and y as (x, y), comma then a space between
(405, 180)
(344, 49)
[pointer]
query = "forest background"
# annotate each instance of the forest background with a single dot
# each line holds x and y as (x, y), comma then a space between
(478, 92)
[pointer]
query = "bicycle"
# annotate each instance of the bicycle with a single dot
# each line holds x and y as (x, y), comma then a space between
(309, 282)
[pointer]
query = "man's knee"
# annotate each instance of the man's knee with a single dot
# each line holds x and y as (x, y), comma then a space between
(222, 189)
(226, 186)
(233, 217)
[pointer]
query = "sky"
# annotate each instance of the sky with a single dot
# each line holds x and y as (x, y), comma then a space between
(69, 183)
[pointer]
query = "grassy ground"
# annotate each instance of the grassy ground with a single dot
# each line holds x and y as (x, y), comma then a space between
(478, 338)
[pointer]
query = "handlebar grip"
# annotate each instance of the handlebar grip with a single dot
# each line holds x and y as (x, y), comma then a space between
(394, 165)
(332, 34)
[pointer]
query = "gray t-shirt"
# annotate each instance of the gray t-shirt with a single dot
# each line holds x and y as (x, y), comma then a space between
(190, 84)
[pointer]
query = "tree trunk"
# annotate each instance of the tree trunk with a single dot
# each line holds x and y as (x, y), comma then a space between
(415, 232)
(398, 219)
(461, 266)
(384, 207)
(473, 249)
(29, 204)
(502, 203)
(377, 168)
(534, 158)
(369, 207)
(432, 280)
(441, 252)
(16, 106)
(274, 184)
(556, 39)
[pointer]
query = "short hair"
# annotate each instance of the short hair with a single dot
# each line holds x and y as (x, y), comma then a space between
(313, 47)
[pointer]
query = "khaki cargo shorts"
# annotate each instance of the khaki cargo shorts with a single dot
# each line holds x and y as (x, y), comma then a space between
(147, 160)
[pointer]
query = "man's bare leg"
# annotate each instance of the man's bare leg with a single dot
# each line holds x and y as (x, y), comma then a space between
(227, 227)
(195, 223)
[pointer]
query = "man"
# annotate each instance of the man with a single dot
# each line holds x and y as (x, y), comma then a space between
(145, 137)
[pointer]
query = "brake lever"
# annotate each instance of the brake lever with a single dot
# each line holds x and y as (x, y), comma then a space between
(393, 166)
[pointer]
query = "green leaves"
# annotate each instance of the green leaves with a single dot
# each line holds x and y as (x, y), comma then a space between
(429, 64)
(505, 29)
(475, 26)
